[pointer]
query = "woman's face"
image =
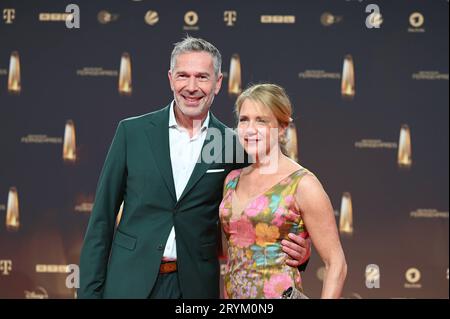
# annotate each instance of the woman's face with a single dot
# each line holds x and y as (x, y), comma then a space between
(258, 129)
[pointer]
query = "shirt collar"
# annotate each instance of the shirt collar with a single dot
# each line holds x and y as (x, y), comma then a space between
(173, 122)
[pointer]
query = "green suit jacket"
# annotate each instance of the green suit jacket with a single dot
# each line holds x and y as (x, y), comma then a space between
(124, 262)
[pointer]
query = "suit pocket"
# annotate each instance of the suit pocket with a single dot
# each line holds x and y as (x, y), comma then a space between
(124, 240)
(216, 170)
(208, 251)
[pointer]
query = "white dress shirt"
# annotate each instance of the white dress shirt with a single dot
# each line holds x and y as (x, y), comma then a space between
(184, 153)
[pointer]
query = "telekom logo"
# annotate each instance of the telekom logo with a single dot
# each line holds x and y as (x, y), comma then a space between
(5, 267)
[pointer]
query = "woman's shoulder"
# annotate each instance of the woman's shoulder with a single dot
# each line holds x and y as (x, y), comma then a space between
(308, 185)
(297, 169)
(302, 176)
(306, 173)
(232, 175)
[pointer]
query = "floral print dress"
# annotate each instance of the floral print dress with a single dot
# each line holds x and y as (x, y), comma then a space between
(256, 266)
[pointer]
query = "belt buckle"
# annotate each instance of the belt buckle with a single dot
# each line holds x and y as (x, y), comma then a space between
(168, 267)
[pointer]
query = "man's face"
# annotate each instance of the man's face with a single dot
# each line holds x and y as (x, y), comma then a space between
(194, 83)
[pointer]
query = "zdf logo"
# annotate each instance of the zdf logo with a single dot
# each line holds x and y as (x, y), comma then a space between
(374, 19)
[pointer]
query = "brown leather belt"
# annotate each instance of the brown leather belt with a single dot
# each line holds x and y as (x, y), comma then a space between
(168, 267)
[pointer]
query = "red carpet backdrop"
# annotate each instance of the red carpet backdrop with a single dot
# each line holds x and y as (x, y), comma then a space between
(369, 85)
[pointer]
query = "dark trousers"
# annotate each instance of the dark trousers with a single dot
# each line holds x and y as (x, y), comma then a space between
(166, 287)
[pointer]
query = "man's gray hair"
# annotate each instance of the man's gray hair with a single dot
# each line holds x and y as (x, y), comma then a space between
(190, 44)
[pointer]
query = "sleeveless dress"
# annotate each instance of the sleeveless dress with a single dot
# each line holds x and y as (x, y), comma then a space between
(256, 266)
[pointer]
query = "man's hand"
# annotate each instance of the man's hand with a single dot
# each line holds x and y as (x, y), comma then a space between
(298, 249)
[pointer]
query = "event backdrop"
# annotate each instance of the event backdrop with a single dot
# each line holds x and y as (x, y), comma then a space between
(369, 85)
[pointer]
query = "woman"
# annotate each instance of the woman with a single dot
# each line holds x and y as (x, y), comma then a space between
(266, 201)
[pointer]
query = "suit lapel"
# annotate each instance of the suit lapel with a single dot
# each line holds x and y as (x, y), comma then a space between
(158, 135)
(201, 167)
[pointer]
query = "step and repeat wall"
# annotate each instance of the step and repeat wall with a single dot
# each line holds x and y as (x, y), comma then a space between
(369, 85)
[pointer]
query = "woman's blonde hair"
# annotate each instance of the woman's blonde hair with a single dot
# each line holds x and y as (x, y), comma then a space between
(273, 97)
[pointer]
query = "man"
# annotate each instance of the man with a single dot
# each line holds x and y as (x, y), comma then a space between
(154, 166)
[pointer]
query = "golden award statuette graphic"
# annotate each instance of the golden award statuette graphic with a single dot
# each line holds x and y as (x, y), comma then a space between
(292, 142)
(234, 76)
(346, 215)
(125, 85)
(14, 86)
(404, 156)
(348, 78)
(70, 145)
(12, 210)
